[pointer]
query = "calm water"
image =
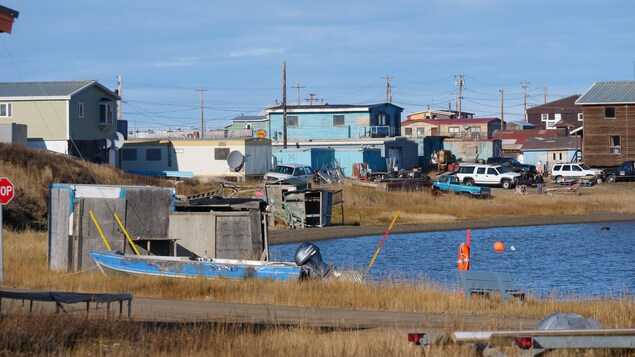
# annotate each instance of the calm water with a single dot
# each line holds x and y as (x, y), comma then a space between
(575, 258)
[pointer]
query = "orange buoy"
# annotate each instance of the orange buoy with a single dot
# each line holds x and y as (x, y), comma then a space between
(464, 257)
(499, 246)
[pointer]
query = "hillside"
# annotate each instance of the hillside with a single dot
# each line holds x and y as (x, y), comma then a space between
(32, 171)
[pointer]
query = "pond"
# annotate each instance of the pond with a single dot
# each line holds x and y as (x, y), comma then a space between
(579, 260)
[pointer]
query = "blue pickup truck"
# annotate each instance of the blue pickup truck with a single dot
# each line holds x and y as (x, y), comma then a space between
(452, 184)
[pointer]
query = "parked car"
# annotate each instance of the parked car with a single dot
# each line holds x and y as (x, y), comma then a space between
(286, 171)
(483, 174)
(624, 172)
(452, 184)
(512, 164)
(574, 171)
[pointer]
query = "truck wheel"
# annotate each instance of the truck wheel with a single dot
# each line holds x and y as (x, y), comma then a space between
(559, 178)
(610, 179)
(468, 182)
(506, 184)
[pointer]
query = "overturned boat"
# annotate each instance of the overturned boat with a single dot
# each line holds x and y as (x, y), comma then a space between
(307, 263)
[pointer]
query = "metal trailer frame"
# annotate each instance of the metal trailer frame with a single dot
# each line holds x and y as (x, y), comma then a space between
(535, 342)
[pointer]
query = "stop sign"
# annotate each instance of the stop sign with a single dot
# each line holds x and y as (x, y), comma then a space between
(6, 190)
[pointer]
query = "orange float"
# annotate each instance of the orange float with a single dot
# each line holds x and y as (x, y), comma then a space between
(464, 257)
(499, 246)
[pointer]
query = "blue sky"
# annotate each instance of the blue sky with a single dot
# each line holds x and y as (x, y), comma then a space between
(339, 50)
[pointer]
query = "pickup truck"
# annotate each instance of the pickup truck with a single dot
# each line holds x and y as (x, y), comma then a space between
(512, 164)
(452, 184)
(624, 172)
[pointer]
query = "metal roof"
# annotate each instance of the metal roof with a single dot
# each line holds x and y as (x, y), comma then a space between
(615, 92)
(43, 89)
(326, 106)
(552, 143)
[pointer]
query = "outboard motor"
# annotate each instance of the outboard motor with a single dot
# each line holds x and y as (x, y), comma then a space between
(309, 258)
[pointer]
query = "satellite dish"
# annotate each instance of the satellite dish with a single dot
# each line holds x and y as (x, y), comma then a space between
(118, 142)
(108, 143)
(235, 160)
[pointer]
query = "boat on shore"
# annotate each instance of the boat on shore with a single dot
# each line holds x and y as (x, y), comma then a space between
(185, 267)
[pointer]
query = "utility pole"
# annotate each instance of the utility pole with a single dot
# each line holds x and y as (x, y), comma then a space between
(201, 90)
(298, 86)
(284, 104)
(545, 93)
(502, 90)
(310, 98)
(525, 101)
(460, 82)
(388, 89)
(119, 102)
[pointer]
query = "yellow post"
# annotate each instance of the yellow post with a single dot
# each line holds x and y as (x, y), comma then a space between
(99, 229)
(382, 242)
(127, 235)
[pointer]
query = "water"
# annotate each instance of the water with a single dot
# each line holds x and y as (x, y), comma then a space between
(573, 259)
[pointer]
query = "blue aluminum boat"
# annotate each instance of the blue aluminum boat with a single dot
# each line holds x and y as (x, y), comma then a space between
(185, 267)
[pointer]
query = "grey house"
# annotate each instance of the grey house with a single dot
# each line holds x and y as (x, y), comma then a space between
(76, 118)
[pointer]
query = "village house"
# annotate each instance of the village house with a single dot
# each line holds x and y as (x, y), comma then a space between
(546, 116)
(233, 159)
(609, 123)
(76, 118)
(439, 114)
(462, 128)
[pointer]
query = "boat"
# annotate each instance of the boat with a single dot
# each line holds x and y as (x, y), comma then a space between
(185, 267)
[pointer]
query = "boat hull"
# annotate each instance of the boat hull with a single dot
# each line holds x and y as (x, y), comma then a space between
(181, 267)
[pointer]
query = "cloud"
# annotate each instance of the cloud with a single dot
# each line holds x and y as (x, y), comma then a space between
(256, 52)
(175, 62)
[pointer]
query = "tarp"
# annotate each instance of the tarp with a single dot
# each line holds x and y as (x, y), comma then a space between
(67, 298)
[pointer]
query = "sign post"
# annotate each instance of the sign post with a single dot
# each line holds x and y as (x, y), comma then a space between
(7, 190)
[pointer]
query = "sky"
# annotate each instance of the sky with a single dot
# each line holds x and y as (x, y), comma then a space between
(340, 51)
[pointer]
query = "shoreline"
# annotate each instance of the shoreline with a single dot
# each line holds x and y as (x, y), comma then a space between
(282, 236)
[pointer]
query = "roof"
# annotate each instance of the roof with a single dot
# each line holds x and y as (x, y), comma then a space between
(457, 121)
(519, 137)
(7, 16)
(59, 90)
(249, 118)
(557, 105)
(552, 143)
(329, 107)
(615, 92)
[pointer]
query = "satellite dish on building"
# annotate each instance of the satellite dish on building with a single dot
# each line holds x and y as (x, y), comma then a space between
(118, 142)
(235, 160)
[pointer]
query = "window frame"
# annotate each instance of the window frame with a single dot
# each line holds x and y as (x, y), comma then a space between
(607, 113)
(80, 110)
(408, 131)
(8, 110)
(129, 154)
(151, 154)
(544, 117)
(292, 121)
(580, 116)
(221, 153)
(339, 117)
(105, 115)
(613, 148)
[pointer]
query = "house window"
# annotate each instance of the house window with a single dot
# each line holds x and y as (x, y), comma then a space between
(557, 117)
(544, 117)
(338, 120)
(80, 109)
(292, 121)
(453, 129)
(221, 153)
(105, 112)
(475, 129)
(382, 119)
(153, 155)
(6, 110)
(129, 154)
(609, 112)
(248, 126)
(408, 131)
(420, 131)
(550, 124)
(614, 145)
(580, 116)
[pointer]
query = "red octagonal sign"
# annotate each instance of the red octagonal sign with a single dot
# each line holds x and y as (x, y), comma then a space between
(6, 190)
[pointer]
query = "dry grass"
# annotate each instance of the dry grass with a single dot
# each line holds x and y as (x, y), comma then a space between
(25, 267)
(366, 206)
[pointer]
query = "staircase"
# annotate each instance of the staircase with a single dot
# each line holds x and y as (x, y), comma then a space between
(293, 216)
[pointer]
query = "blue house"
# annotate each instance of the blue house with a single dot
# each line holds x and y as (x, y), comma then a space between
(335, 122)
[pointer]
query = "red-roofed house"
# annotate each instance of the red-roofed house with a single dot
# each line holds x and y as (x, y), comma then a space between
(464, 128)
(513, 140)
